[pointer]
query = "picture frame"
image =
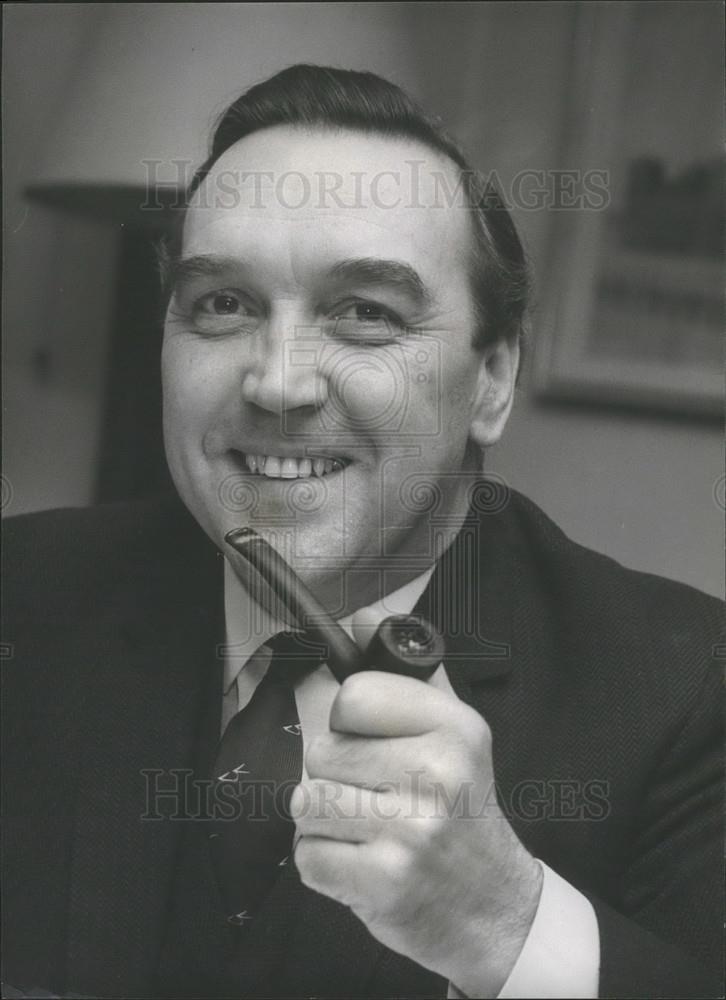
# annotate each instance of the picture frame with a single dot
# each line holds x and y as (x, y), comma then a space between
(633, 303)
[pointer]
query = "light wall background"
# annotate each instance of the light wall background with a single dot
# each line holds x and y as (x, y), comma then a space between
(90, 91)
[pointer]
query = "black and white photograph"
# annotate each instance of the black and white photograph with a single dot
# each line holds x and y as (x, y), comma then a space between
(363, 500)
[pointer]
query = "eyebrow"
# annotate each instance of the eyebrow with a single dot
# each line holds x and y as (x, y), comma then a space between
(179, 269)
(369, 271)
(377, 271)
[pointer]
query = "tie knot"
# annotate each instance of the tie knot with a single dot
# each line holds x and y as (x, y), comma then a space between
(293, 655)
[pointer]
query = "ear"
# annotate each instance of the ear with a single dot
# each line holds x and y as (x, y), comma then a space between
(494, 394)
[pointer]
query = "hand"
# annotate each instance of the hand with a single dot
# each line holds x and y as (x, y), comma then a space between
(399, 821)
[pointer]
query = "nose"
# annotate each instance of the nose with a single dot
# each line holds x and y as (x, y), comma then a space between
(283, 371)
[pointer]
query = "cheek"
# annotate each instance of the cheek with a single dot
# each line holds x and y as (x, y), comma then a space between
(193, 389)
(385, 390)
(368, 387)
(459, 374)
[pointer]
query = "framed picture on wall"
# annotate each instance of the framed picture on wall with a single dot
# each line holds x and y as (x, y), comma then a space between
(634, 308)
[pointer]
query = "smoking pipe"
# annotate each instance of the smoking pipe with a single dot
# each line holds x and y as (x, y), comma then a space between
(402, 644)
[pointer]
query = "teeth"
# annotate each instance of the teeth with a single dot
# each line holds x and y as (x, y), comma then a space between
(272, 466)
(291, 468)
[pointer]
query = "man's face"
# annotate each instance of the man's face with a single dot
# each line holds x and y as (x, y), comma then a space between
(317, 363)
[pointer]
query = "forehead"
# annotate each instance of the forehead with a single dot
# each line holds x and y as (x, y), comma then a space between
(324, 193)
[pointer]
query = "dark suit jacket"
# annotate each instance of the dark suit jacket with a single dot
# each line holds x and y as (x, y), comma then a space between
(601, 687)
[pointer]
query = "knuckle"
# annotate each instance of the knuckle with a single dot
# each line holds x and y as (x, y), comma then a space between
(457, 754)
(316, 756)
(474, 733)
(440, 767)
(323, 797)
(299, 800)
(307, 862)
(313, 802)
(426, 832)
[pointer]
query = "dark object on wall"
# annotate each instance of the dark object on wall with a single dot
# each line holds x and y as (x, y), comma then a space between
(683, 214)
(132, 462)
(131, 455)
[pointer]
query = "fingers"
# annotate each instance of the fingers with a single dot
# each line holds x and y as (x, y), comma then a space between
(373, 703)
(357, 760)
(330, 867)
(412, 763)
(340, 812)
(353, 873)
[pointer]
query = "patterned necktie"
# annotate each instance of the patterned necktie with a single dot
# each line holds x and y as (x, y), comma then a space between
(258, 764)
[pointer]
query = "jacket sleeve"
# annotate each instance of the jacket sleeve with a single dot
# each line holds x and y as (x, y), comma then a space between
(666, 938)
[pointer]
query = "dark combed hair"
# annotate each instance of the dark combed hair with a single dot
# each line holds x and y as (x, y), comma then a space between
(325, 97)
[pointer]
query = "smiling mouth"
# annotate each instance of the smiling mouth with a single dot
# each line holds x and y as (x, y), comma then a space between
(274, 467)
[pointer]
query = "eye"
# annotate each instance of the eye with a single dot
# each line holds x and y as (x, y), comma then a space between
(222, 311)
(224, 303)
(369, 312)
(367, 323)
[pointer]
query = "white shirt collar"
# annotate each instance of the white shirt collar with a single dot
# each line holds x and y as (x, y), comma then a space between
(248, 625)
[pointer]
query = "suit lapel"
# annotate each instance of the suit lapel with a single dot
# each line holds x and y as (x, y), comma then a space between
(149, 672)
(469, 600)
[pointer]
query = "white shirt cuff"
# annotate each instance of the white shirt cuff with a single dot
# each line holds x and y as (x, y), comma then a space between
(561, 956)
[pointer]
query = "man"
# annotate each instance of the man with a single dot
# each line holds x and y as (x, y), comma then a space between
(542, 818)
